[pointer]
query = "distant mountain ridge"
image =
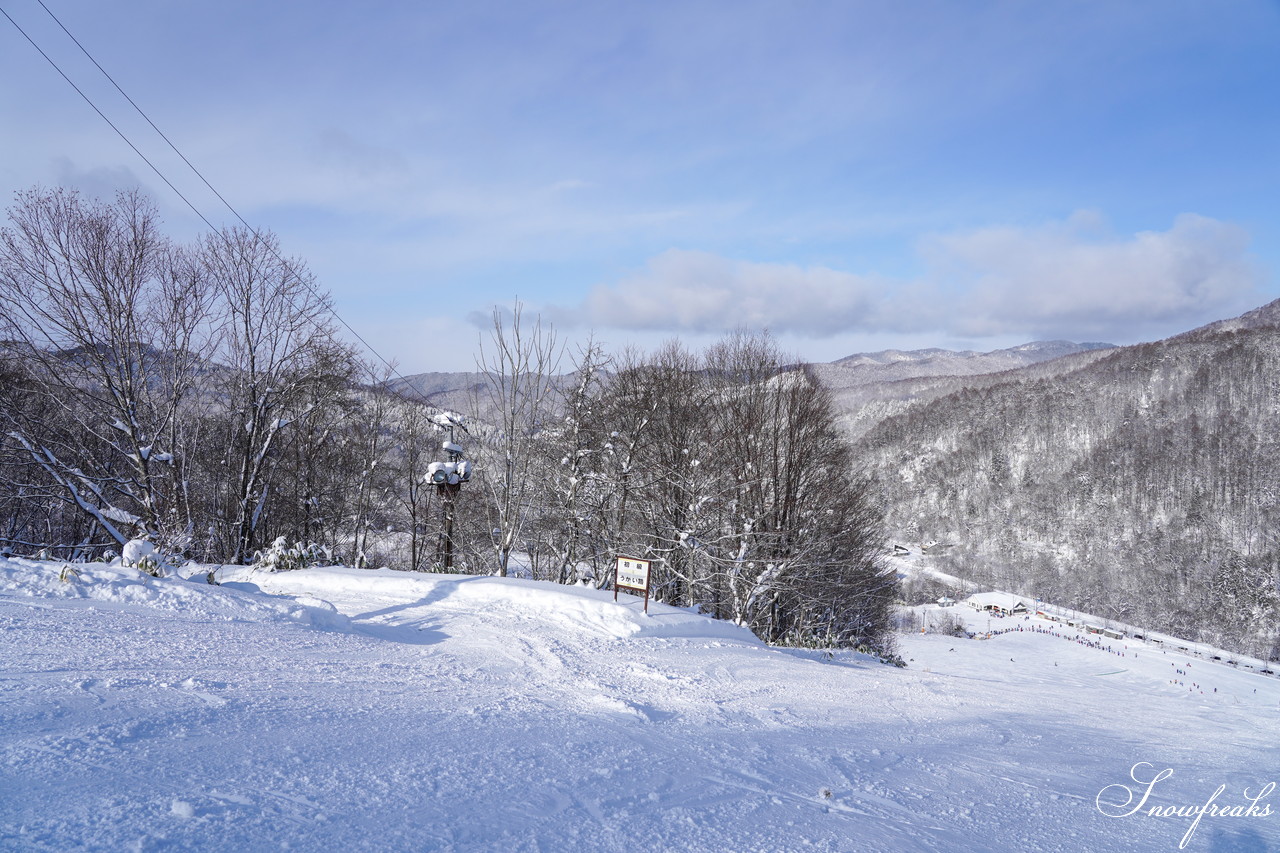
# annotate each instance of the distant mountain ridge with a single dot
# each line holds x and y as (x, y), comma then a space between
(441, 389)
(455, 390)
(934, 361)
(870, 387)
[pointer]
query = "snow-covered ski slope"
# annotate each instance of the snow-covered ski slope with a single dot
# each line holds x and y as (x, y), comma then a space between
(337, 709)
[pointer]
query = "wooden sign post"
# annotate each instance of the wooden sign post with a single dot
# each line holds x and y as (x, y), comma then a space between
(632, 574)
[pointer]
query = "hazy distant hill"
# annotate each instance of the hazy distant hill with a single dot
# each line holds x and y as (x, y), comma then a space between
(1142, 481)
(891, 376)
(889, 365)
(458, 392)
(443, 390)
(870, 387)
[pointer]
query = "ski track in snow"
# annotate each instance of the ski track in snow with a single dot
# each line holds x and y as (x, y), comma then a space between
(345, 710)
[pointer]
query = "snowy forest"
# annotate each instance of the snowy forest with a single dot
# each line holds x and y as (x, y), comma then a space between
(199, 396)
(1140, 483)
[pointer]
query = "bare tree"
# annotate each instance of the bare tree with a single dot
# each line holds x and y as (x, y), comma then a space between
(417, 435)
(371, 446)
(519, 362)
(320, 456)
(730, 472)
(110, 325)
(276, 339)
(677, 483)
(573, 472)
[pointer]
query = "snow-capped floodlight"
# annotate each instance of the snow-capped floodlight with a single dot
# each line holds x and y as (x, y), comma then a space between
(448, 478)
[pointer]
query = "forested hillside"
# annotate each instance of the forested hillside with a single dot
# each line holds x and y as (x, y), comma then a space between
(873, 386)
(1144, 484)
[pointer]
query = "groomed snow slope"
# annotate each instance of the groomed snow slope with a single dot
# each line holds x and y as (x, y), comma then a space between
(336, 709)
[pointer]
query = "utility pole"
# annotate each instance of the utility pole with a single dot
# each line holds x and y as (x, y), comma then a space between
(448, 478)
(447, 493)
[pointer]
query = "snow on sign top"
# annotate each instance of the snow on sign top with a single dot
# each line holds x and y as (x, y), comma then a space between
(633, 574)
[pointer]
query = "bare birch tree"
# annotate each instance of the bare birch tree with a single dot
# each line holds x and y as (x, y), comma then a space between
(573, 475)
(520, 362)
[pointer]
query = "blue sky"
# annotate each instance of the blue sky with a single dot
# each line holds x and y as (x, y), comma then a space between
(852, 175)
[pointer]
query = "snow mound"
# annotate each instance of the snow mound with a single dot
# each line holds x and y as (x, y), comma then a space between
(576, 607)
(137, 550)
(128, 588)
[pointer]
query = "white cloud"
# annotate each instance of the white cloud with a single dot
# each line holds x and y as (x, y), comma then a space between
(1074, 278)
(1066, 279)
(96, 182)
(702, 292)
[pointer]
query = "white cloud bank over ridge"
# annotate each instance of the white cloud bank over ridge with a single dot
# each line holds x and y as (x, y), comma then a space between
(703, 292)
(1064, 279)
(1057, 277)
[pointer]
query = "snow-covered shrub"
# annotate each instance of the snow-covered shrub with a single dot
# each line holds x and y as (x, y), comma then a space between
(143, 556)
(280, 557)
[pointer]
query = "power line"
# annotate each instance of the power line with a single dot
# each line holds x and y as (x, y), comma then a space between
(289, 267)
(109, 122)
(125, 94)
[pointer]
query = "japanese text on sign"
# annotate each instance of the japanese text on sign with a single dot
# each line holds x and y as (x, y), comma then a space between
(633, 574)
